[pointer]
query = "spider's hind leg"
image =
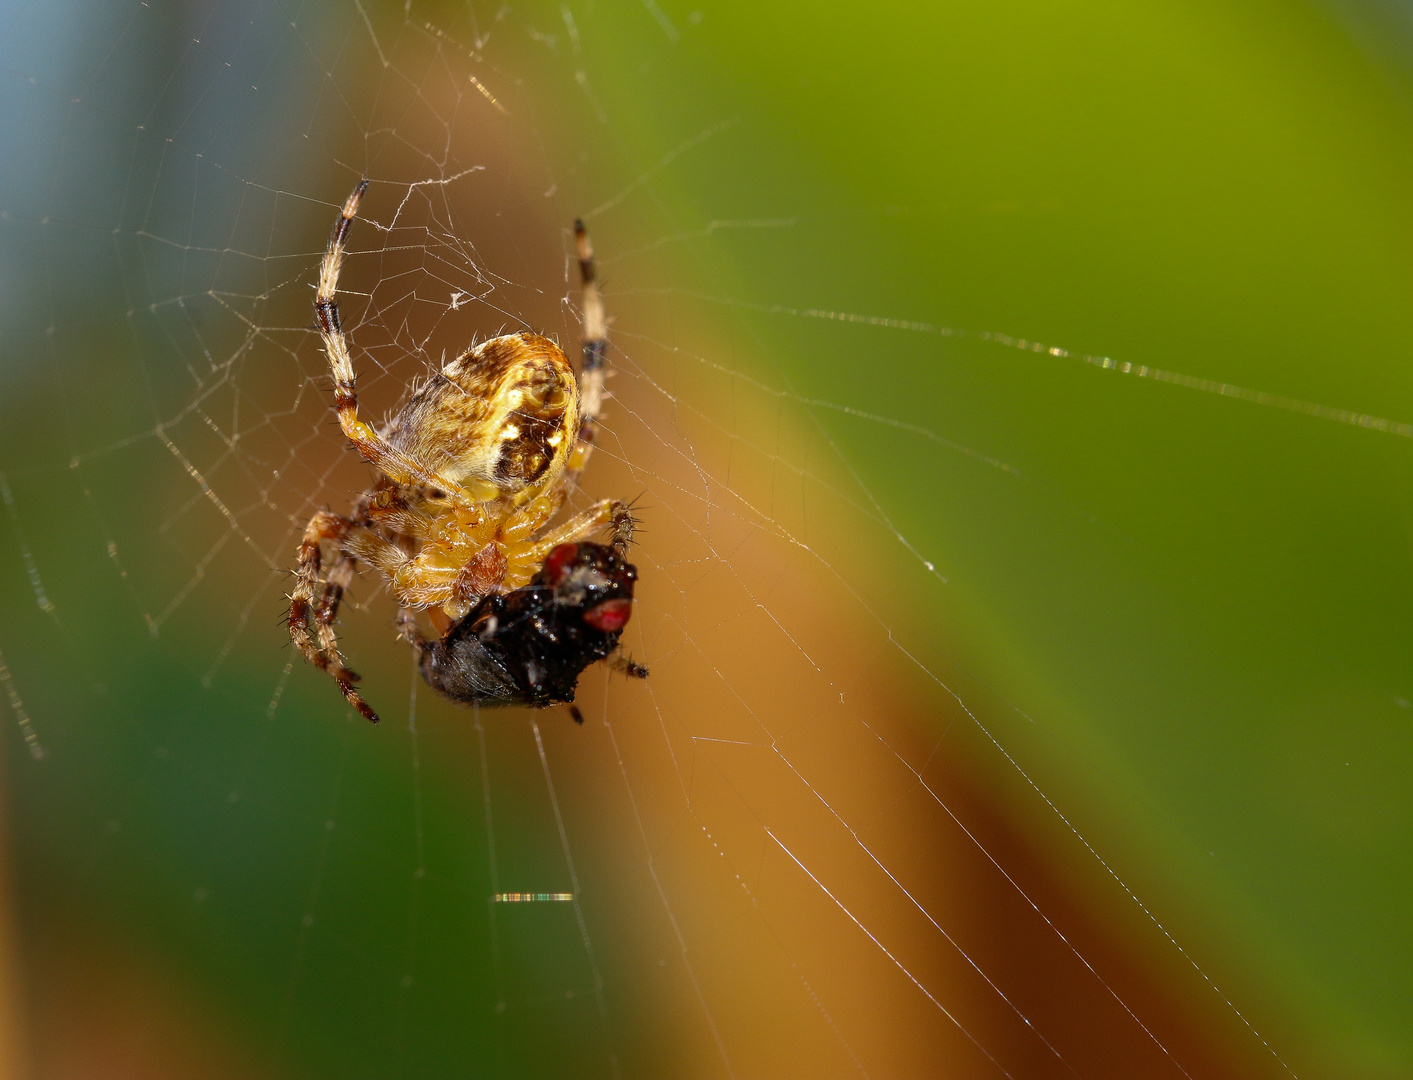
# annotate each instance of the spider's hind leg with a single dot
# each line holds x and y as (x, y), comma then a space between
(377, 451)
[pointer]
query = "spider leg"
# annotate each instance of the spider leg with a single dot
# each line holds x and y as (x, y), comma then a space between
(583, 525)
(409, 631)
(357, 543)
(621, 661)
(340, 577)
(322, 526)
(328, 608)
(623, 525)
(526, 559)
(595, 338)
(378, 452)
(623, 522)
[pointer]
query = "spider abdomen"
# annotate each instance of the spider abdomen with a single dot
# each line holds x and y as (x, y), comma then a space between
(500, 419)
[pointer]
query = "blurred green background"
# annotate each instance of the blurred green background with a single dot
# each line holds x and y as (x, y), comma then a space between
(1206, 600)
(1197, 605)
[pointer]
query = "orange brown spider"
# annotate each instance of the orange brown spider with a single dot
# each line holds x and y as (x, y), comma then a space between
(471, 471)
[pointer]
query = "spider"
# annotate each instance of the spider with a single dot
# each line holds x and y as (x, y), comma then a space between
(470, 472)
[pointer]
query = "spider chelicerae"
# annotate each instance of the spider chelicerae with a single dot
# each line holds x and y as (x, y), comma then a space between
(470, 472)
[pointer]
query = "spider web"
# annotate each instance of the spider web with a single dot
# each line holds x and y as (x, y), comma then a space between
(825, 838)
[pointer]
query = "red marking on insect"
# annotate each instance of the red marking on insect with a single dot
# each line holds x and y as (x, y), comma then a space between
(557, 564)
(609, 616)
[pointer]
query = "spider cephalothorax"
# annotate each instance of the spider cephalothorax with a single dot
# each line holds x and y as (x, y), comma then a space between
(471, 471)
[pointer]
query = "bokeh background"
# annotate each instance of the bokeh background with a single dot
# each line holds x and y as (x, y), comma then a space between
(1017, 399)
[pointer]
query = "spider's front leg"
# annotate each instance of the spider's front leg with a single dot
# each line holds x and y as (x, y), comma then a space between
(525, 559)
(614, 512)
